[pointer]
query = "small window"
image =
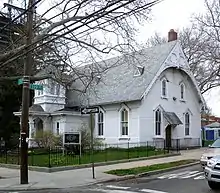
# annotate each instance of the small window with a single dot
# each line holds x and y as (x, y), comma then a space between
(182, 92)
(158, 122)
(52, 87)
(100, 124)
(164, 88)
(219, 133)
(187, 124)
(58, 128)
(124, 122)
(57, 89)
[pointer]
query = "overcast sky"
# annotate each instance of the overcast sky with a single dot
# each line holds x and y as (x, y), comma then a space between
(170, 14)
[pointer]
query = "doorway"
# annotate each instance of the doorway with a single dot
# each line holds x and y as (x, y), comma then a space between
(168, 139)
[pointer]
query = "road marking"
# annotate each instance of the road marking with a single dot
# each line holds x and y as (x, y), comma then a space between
(152, 191)
(116, 191)
(117, 187)
(173, 175)
(200, 178)
(191, 175)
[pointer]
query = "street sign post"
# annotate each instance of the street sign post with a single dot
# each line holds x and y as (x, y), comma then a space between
(32, 86)
(91, 111)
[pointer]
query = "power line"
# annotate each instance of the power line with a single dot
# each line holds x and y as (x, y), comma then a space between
(12, 21)
(103, 14)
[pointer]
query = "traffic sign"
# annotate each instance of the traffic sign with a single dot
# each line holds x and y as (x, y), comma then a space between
(89, 110)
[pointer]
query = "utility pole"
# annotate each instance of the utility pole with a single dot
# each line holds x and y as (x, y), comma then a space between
(26, 96)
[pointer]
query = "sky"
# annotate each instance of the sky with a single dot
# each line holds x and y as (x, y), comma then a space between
(170, 14)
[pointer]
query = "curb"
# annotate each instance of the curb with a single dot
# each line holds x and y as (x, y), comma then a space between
(128, 177)
(117, 179)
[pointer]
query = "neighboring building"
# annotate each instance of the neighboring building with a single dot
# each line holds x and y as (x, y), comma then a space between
(152, 100)
(208, 119)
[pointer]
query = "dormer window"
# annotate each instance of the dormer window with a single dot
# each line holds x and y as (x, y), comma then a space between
(164, 88)
(182, 91)
(139, 71)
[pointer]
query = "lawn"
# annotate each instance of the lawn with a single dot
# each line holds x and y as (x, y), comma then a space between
(138, 170)
(56, 158)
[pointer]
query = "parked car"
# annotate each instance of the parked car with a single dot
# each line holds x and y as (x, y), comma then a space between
(210, 152)
(212, 172)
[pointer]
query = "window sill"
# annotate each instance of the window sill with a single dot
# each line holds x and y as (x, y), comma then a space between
(101, 137)
(124, 138)
(164, 97)
(158, 137)
(187, 137)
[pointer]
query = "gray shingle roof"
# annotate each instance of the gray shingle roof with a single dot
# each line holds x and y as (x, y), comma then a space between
(172, 118)
(119, 84)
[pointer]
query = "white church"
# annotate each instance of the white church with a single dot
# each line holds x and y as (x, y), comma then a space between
(156, 99)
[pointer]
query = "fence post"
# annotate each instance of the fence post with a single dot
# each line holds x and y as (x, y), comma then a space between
(177, 145)
(128, 150)
(49, 165)
(164, 146)
(18, 154)
(106, 153)
(147, 148)
(6, 155)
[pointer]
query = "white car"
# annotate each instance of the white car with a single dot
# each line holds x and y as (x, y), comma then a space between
(212, 172)
(210, 152)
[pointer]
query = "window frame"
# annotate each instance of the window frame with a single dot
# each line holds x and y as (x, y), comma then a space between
(182, 94)
(187, 125)
(158, 122)
(100, 123)
(124, 130)
(164, 84)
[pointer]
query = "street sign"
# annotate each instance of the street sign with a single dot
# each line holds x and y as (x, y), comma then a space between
(89, 110)
(20, 81)
(36, 86)
(32, 86)
(72, 138)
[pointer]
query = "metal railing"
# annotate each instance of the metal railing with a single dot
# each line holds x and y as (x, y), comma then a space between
(58, 156)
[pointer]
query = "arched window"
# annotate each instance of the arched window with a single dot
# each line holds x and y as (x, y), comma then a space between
(100, 123)
(164, 88)
(187, 123)
(158, 122)
(124, 122)
(182, 92)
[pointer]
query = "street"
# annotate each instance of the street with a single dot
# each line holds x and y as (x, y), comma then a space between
(187, 180)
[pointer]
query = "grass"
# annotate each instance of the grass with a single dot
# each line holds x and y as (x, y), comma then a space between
(55, 159)
(138, 170)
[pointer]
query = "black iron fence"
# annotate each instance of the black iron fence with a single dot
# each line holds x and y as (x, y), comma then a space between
(74, 155)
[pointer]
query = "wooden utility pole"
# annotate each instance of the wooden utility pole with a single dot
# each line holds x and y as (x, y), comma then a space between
(26, 96)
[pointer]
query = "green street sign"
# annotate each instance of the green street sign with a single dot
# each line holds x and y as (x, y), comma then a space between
(20, 81)
(32, 86)
(36, 86)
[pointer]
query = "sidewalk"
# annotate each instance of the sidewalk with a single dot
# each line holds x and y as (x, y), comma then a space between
(78, 177)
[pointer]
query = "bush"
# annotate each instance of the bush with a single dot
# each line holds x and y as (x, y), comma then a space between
(86, 139)
(46, 139)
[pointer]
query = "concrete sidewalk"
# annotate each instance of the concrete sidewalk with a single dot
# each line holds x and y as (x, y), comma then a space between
(78, 177)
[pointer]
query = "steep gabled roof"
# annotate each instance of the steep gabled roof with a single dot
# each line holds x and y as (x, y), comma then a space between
(119, 84)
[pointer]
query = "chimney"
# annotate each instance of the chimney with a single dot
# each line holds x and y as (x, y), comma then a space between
(172, 35)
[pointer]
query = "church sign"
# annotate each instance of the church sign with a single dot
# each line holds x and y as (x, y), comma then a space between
(72, 138)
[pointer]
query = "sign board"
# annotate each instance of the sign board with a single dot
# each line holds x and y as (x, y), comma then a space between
(72, 138)
(89, 110)
(32, 86)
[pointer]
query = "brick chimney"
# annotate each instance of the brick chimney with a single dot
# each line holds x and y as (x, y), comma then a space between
(172, 35)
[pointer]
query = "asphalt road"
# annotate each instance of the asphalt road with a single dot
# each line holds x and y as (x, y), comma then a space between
(187, 180)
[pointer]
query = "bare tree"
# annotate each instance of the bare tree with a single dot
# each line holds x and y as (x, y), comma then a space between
(200, 44)
(83, 32)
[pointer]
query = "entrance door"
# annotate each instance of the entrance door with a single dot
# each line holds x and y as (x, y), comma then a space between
(168, 136)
